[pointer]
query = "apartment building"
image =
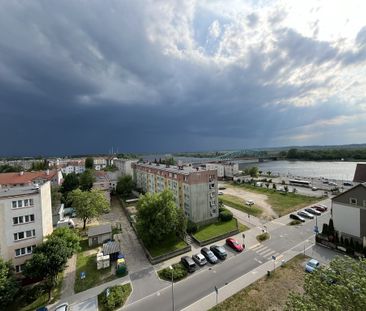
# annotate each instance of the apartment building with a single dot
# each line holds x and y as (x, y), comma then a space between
(124, 166)
(20, 179)
(224, 170)
(76, 167)
(194, 189)
(103, 184)
(100, 163)
(25, 220)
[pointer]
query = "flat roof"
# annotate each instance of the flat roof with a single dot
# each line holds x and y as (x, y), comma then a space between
(15, 191)
(186, 170)
(98, 230)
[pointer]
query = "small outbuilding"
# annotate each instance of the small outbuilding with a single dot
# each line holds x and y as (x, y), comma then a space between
(99, 234)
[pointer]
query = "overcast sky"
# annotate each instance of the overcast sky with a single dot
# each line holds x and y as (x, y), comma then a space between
(164, 75)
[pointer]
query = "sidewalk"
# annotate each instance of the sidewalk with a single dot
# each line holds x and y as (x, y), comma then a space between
(69, 278)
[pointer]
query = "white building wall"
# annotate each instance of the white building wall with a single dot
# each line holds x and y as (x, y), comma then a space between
(346, 219)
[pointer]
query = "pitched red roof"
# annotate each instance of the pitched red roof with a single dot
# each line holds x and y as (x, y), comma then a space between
(360, 173)
(25, 177)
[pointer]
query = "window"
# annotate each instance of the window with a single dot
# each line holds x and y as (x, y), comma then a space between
(15, 220)
(31, 217)
(26, 202)
(20, 203)
(23, 219)
(353, 201)
(30, 202)
(14, 204)
(24, 251)
(22, 235)
(19, 268)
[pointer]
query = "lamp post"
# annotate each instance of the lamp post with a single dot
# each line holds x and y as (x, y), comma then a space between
(173, 307)
(243, 235)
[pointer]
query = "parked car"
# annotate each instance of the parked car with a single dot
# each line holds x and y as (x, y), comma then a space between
(346, 183)
(305, 214)
(209, 255)
(313, 211)
(331, 183)
(314, 188)
(249, 202)
(311, 265)
(235, 245)
(297, 217)
(320, 208)
(188, 263)
(62, 307)
(325, 181)
(219, 251)
(199, 259)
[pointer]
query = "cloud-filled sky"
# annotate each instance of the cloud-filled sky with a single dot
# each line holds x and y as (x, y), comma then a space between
(83, 76)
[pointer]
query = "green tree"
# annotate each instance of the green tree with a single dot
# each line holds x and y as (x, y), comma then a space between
(253, 171)
(88, 204)
(339, 287)
(89, 163)
(269, 173)
(48, 260)
(292, 153)
(87, 179)
(9, 286)
(6, 168)
(70, 183)
(71, 238)
(55, 195)
(125, 185)
(158, 217)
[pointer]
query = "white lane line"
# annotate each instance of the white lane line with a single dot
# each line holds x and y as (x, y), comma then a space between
(264, 250)
(259, 248)
(266, 253)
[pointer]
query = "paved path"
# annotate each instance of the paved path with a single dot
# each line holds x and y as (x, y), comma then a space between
(242, 217)
(69, 278)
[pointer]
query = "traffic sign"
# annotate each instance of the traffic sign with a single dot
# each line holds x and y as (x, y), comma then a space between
(316, 229)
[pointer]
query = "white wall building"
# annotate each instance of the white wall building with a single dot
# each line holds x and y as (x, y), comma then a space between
(349, 212)
(25, 220)
(224, 170)
(124, 166)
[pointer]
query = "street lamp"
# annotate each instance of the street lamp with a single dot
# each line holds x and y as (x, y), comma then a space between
(172, 269)
(243, 239)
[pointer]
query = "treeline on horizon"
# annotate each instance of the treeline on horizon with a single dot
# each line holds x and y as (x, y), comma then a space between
(324, 154)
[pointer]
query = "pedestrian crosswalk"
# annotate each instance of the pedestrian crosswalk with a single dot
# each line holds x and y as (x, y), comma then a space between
(265, 251)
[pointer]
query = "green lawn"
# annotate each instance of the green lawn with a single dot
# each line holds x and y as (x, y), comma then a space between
(282, 203)
(93, 277)
(242, 227)
(237, 203)
(117, 297)
(268, 293)
(215, 229)
(168, 245)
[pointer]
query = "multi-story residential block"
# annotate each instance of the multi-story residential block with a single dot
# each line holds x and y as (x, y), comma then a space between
(20, 179)
(194, 189)
(76, 167)
(124, 166)
(224, 170)
(103, 184)
(100, 163)
(25, 220)
(349, 212)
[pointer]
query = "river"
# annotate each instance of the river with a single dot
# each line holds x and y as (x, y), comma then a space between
(340, 170)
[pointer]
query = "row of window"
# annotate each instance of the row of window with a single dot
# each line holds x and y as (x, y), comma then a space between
(19, 268)
(22, 203)
(24, 235)
(354, 201)
(23, 219)
(24, 251)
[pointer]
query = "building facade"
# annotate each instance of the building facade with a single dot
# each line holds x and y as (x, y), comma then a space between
(25, 220)
(225, 169)
(21, 179)
(124, 166)
(194, 190)
(349, 212)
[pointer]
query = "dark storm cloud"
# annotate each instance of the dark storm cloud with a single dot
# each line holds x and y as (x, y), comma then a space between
(79, 77)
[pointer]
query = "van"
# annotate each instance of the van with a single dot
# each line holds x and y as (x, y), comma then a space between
(66, 223)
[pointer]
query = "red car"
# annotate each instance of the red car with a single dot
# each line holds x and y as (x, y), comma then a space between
(320, 208)
(235, 245)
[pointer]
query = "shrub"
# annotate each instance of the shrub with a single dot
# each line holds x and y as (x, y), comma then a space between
(262, 237)
(116, 298)
(191, 227)
(226, 215)
(295, 222)
(179, 272)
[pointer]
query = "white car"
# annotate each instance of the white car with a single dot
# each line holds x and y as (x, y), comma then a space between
(63, 307)
(249, 202)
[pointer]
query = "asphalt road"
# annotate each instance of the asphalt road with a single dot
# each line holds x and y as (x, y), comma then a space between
(202, 282)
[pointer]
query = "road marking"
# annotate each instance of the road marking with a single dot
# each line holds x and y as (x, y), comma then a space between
(263, 250)
(257, 260)
(260, 248)
(277, 254)
(255, 246)
(270, 253)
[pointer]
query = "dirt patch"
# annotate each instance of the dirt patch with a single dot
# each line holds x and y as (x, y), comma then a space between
(259, 199)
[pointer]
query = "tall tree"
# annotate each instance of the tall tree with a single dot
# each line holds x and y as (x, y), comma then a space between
(158, 217)
(86, 180)
(6, 168)
(89, 163)
(70, 183)
(71, 238)
(48, 260)
(88, 204)
(125, 186)
(253, 171)
(339, 287)
(9, 286)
